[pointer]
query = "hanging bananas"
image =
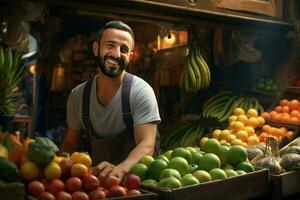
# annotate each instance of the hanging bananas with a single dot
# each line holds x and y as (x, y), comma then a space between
(196, 73)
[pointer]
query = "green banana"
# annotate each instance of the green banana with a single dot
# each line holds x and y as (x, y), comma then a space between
(215, 103)
(226, 108)
(196, 71)
(234, 105)
(217, 96)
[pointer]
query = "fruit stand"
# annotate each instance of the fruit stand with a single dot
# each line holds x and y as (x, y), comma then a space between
(226, 83)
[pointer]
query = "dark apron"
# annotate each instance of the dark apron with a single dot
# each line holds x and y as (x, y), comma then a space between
(113, 149)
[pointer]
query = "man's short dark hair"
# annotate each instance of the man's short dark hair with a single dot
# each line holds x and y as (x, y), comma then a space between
(117, 25)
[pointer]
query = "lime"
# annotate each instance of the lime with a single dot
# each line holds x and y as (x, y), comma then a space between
(223, 154)
(217, 174)
(162, 157)
(183, 153)
(166, 173)
(202, 176)
(211, 146)
(227, 166)
(170, 182)
(147, 160)
(191, 149)
(189, 179)
(230, 172)
(156, 167)
(236, 154)
(245, 166)
(240, 172)
(168, 154)
(209, 161)
(179, 164)
(196, 157)
(150, 182)
(140, 170)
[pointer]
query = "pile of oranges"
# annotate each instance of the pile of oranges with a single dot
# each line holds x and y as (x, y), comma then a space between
(288, 111)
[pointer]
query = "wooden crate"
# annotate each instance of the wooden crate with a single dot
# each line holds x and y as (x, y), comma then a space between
(13, 191)
(251, 185)
(285, 184)
(146, 195)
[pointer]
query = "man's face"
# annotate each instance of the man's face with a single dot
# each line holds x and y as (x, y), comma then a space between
(115, 51)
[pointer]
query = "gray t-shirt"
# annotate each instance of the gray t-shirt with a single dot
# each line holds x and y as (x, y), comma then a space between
(107, 120)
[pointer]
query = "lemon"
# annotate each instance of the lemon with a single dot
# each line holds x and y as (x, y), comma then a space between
(52, 171)
(29, 171)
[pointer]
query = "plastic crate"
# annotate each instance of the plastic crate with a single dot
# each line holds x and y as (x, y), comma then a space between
(13, 191)
(284, 185)
(247, 186)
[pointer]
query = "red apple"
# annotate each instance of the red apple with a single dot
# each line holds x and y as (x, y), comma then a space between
(133, 192)
(90, 182)
(79, 195)
(55, 186)
(62, 195)
(97, 194)
(73, 184)
(132, 181)
(35, 188)
(46, 196)
(65, 165)
(110, 181)
(117, 191)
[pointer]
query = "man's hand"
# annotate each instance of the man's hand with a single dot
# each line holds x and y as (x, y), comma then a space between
(105, 169)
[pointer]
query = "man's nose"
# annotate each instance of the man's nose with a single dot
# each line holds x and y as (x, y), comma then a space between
(116, 52)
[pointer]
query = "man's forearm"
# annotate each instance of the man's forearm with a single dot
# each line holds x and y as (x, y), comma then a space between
(143, 148)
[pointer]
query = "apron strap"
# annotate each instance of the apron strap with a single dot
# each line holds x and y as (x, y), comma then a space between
(127, 117)
(126, 88)
(85, 116)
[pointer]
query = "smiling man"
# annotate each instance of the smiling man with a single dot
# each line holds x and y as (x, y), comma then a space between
(117, 111)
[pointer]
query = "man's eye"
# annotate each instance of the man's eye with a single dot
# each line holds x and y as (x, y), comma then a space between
(124, 49)
(110, 45)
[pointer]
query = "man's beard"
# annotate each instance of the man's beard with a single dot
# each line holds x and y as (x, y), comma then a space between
(112, 72)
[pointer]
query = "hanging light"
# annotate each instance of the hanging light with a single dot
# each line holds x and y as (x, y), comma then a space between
(171, 38)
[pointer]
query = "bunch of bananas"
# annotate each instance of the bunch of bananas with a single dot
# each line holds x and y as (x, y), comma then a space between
(222, 105)
(184, 134)
(196, 73)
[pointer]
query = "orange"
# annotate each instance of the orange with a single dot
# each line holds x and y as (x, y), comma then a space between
(294, 104)
(216, 133)
(230, 138)
(285, 109)
(252, 140)
(82, 158)
(232, 118)
(261, 121)
(242, 135)
(262, 136)
(243, 119)
(29, 171)
(253, 122)
(224, 134)
(79, 170)
(236, 126)
(266, 128)
(284, 102)
(238, 111)
(278, 109)
(52, 171)
(265, 115)
(289, 134)
(252, 113)
(250, 130)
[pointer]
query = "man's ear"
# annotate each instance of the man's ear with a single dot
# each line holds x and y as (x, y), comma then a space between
(130, 56)
(95, 48)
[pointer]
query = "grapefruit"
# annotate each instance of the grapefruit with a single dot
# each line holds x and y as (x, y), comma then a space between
(170, 182)
(183, 153)
(202, 176)
(217, 174)
(211, 146)
(189, 179)
(156, 167)
(166, 173)
(209, 161)
(140, 170)
(237, 154)
(179, 164)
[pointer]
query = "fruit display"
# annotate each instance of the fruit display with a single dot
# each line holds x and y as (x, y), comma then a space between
(183, 134)
(221, 105)
(185, 166)
(248, 129)
(196, 73)
(266, 85)
(288, 111)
